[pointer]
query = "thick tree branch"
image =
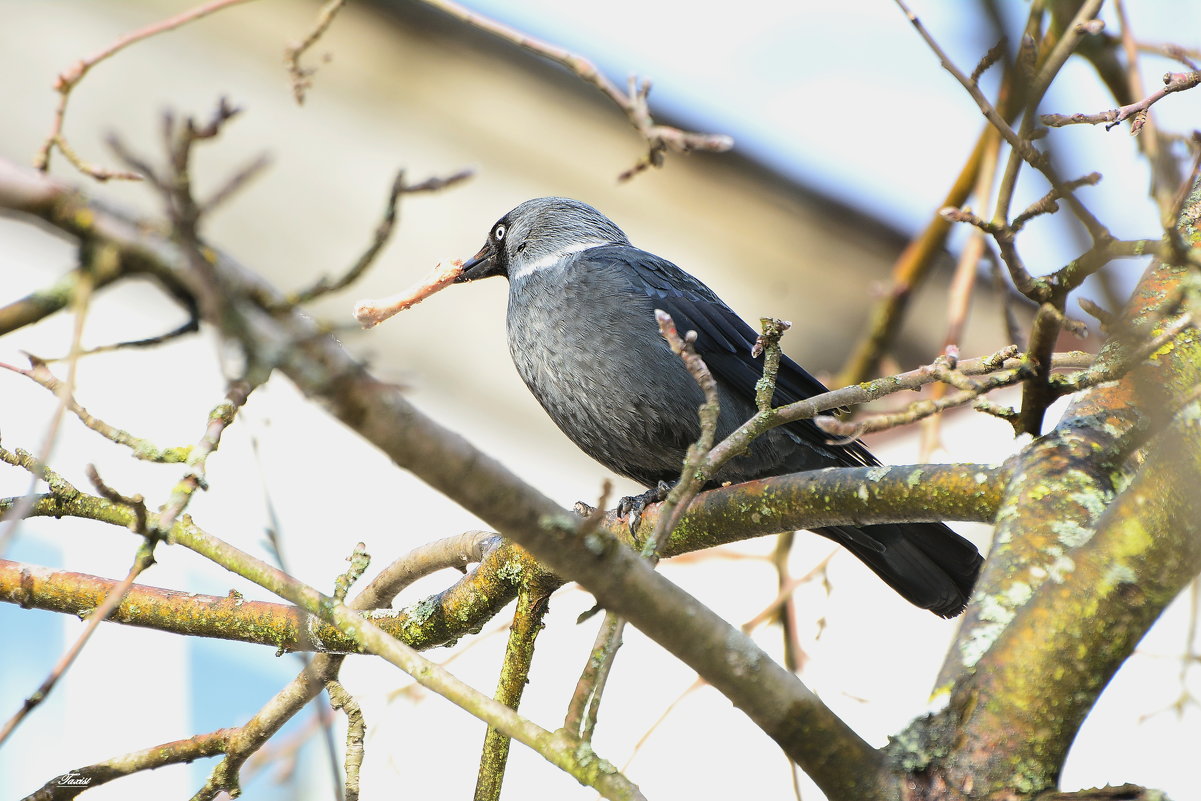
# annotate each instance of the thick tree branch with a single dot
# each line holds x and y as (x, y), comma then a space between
(717, 517)
(1080, 567)
(1146, 550)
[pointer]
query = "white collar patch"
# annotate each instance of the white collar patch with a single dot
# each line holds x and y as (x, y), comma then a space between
(551, 259)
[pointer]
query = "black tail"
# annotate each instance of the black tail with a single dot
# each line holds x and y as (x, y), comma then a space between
(927, 563)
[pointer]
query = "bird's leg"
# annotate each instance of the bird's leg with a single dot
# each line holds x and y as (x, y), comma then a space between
(631, 507)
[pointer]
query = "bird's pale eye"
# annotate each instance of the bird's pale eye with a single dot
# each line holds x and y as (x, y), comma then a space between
(498, 233)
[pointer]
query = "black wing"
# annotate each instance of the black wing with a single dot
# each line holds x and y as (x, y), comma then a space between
(927, 563)
(724, 341)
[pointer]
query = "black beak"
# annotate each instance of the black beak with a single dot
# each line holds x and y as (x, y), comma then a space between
(481, 265)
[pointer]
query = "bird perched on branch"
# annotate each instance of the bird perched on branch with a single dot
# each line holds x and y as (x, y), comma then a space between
(583, 336)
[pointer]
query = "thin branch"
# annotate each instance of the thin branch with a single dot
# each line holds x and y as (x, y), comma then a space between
(969, 391)
(963, 284)
(633, 101)
(1173, 82)
(691, 478)
(1131, 348)
(302, 77)
(1020, 141)
(383, 232)
(97, 259)
(911, 267)
(1013, 372)
(1009, 298)
(220, 418)
(275, 625)
(585, 702)
(234, 184)
(356, 733)
(646, 735)
(144, 558)
(190, 327)
(69, 78)
(986, 107)
(139, 448)
(74, 782)
(532, 605)
(1047, 205)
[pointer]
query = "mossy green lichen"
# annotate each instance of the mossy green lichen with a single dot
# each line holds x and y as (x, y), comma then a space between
(511, 571)
(1070, 533)
(878, 473)
(420, 613)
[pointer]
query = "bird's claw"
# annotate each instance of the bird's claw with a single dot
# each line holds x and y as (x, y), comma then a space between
(631, 507)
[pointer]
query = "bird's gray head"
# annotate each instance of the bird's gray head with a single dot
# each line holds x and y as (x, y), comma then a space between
(539, 233)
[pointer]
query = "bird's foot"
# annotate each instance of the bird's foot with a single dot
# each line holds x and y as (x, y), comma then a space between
(631, 507)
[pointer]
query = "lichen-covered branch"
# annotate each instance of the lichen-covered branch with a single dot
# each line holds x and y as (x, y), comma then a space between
(532, 605)
(1082, 564)
(1146, 550)
(1172, 82)
(716, 517)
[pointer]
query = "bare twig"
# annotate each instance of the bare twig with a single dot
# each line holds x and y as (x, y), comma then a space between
(646, 735)
(911, 268)
(140, 448)
(97, 260)
(190, 327)
(69, 78)
(383, 232)
(784, 594)
(691, 478)
(967, 82)
(768, 344)
(919, 410)
(1047, 205)
(585, 703)
(583, 709)
(234, 184)
(532, 605)
(143, 559)
(994, 54)
(356, 733)
(372, 312)
(359, 561)
(218, 420)
(1173, 82)
(302, 77)
(1139, 345)
(967, 269)
(633, 101)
